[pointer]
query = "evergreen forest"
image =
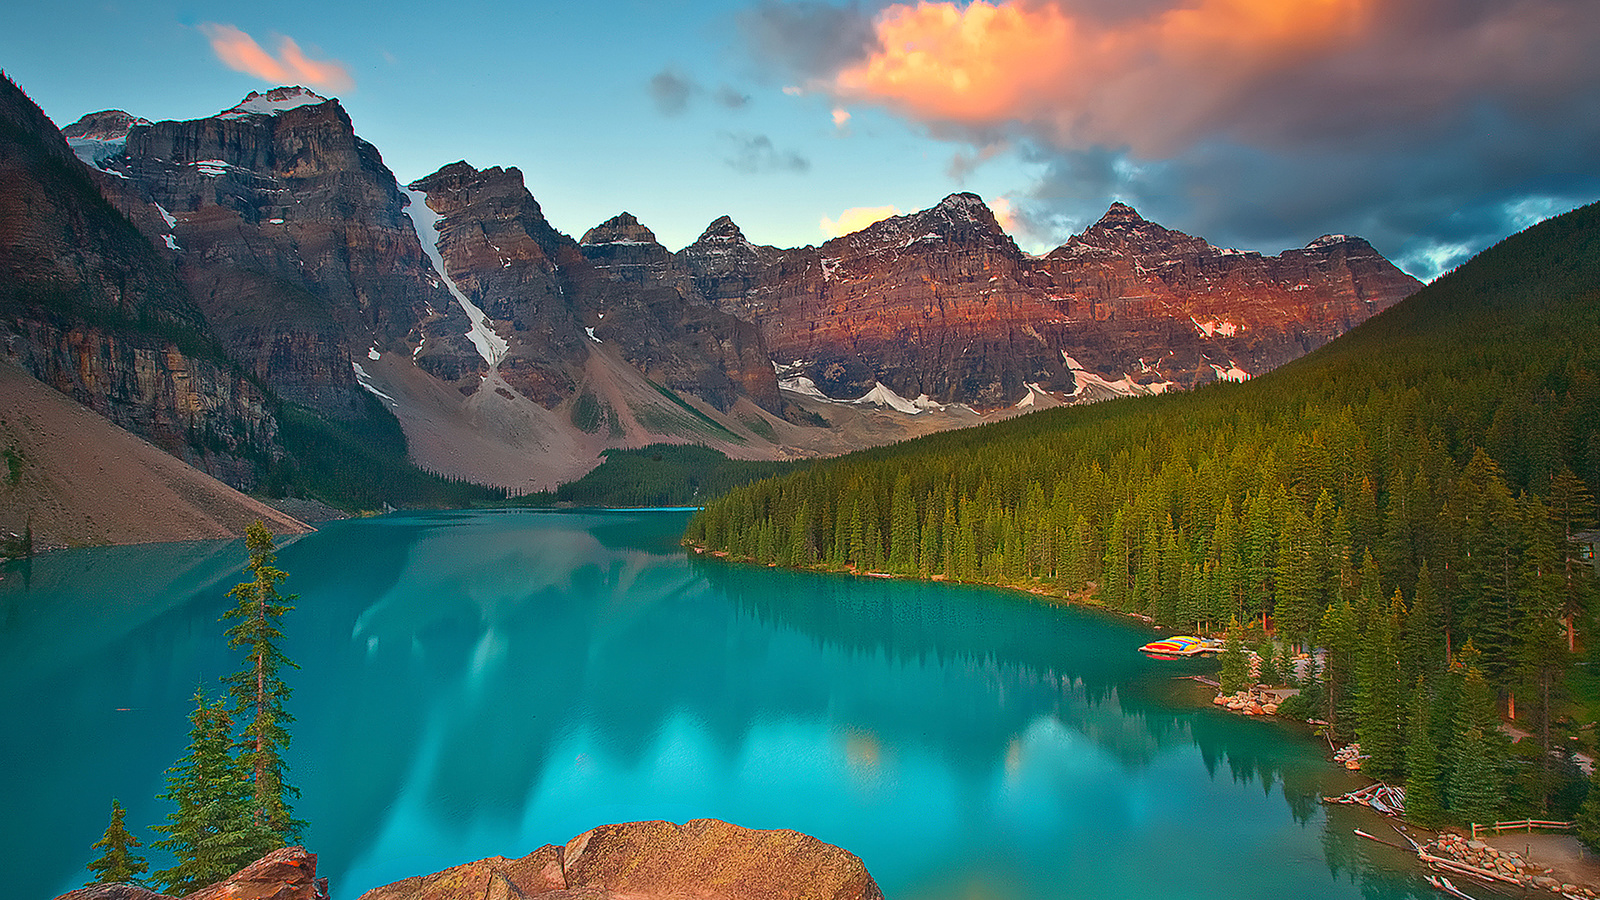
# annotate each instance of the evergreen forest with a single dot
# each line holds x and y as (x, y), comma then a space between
(1406, 501)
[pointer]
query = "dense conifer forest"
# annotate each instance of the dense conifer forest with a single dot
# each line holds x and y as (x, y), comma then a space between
(1404, 499)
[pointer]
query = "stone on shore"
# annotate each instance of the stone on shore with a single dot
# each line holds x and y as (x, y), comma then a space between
(704, 859)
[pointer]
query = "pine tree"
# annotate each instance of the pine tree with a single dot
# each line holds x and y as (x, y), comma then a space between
(1235, 671)
(258, 691)
(117, 863)
(1588, 821)
(1424, 801)
(1379, 704)
(211, 833)
(1476, 792)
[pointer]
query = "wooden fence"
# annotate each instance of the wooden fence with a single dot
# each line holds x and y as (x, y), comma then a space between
(1521, 825)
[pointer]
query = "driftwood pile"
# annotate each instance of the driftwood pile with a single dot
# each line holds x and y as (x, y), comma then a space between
(1391, 801)
(1456, 854)
(1350, 756)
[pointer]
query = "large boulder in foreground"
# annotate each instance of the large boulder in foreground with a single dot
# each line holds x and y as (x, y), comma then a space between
(113, 892)
(704, 859)
(289, 873)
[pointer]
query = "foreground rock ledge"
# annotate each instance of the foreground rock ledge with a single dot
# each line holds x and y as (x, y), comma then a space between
(704, 859)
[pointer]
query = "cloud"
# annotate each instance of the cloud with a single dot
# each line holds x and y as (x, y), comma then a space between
(806, 39)
(841, 117)
(731, 98)
(240, 52)
(755, 153)
(671, 91)
(1003, 213)
(1422, 124)
(855, 219)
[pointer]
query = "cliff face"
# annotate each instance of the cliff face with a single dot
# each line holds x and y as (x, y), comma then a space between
(90, 307)
(290, 233)
(943, 303)
(550, 299)
(1233, 310)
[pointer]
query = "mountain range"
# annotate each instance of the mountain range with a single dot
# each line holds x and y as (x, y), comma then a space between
(203, 282)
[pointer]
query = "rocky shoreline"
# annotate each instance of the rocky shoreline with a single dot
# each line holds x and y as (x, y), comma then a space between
(706, 859)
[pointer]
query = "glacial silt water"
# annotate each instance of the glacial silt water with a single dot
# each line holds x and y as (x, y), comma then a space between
(484, 683)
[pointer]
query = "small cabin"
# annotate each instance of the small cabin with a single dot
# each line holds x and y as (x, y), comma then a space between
(1587, 541)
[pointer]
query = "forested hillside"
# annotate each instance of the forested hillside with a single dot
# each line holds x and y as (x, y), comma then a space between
(1408, 490)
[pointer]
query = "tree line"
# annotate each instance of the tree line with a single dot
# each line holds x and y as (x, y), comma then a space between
(230, 792)
(1405, 501)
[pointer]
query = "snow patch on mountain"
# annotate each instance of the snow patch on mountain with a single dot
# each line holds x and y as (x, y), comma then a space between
(1212, 327)
(1089, 386)
(1032, 398)
(1231, 373)
(800, 384)
(365, 380)
(882, 395)
(273, 102)
(491, 346)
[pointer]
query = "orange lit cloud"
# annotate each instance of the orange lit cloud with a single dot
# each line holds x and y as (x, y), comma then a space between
(1150, 83)
(855, 219)
(1004, 214)
(240, 52)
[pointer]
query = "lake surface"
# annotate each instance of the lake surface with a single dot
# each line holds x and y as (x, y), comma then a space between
(474, 684)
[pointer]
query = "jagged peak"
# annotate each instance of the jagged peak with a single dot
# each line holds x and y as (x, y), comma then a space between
(963, 201)
(1121, 214)
(105, 125)
(722, 228)
(1331, 240)
(277, 100)
(460, 170)
(621, 228)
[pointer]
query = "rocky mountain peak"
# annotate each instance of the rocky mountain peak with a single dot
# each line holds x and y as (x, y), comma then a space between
(722, 229)
(963, 203)
(1333, 240)
(106, 125)
(277, 100)
(622, 228)
(1121, 215)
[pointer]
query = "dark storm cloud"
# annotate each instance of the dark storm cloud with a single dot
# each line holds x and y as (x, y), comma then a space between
(1430, 127)
(755, 154)
(804, 39)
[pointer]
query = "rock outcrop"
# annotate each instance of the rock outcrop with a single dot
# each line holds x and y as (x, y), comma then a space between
(705, 859)
(942, 302)
(90, 307)
(291, 235)
(289, 873)
(551, 298)
(76, 479)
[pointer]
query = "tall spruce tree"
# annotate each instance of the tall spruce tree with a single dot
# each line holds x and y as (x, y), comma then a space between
(1235, 672)
(117, 863)
(1477, 782)
(258, 691)
(210, 833)
(1424, 797)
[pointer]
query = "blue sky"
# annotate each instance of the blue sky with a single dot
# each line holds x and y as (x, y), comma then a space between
(1432, 127)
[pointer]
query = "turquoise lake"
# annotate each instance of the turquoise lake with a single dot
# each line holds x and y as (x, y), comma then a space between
(484, 683)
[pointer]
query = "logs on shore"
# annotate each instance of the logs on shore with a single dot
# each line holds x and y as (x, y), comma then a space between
(1391, 801)
(1454, 853)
